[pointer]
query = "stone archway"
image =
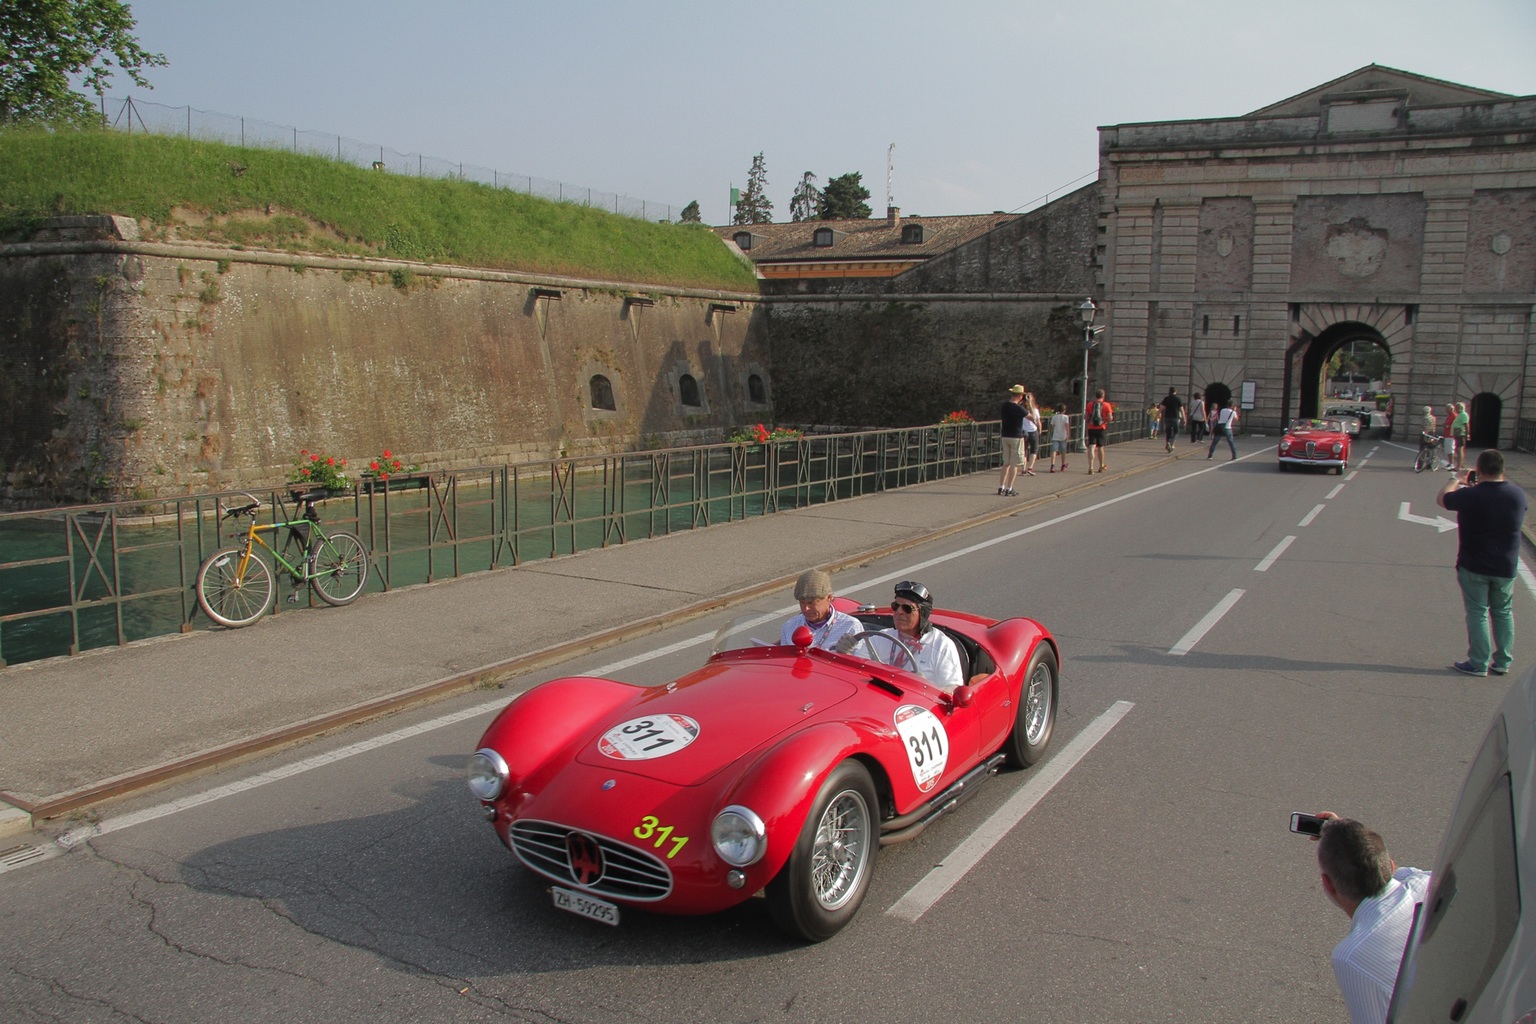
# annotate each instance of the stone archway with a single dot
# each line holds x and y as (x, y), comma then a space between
(1318, 330)
(1311, 387)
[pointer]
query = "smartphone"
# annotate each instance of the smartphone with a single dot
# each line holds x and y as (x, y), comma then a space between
(1307, 824)
(1471, 477)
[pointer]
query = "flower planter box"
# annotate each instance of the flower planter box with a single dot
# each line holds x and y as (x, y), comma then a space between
(402, 482)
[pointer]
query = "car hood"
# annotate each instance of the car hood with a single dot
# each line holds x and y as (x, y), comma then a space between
(685, 733)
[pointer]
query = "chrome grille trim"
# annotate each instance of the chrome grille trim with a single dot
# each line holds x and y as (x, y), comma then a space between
(628, 873)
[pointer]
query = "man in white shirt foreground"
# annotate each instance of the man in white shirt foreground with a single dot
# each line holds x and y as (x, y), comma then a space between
(1363, 880)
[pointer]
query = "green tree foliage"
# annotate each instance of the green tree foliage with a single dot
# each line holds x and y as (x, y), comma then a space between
(805, 204)
(691, 214)
(754, 207)
(43, 43)
(844, 197)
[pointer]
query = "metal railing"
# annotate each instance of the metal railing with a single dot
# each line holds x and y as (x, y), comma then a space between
(1525, 436)
(88, 576)
(127, 114)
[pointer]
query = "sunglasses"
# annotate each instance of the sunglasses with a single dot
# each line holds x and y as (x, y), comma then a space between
(902, 606)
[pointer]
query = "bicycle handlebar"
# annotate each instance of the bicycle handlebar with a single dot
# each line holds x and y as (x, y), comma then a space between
(252, 503)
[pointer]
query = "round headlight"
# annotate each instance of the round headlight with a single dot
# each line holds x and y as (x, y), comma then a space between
(488, 774)
(739, 836)
(1338, 446)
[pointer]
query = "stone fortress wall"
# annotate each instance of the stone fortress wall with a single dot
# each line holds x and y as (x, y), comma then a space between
(138, 370)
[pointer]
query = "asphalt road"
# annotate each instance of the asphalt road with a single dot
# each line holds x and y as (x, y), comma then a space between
(1248, 643)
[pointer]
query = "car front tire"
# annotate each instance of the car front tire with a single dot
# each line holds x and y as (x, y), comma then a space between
(820, 888)
(1036, 716)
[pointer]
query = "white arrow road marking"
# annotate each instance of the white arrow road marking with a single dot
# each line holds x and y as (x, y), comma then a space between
(1440, 522)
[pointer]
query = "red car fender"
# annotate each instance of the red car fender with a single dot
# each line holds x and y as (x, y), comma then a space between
(781, 785)
(548, 718)
(1013, 643)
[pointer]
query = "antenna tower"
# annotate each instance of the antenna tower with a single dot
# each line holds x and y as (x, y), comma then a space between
(890, 172)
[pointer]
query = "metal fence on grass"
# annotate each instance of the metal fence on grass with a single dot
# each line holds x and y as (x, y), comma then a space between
(90, 576)
(127, 114)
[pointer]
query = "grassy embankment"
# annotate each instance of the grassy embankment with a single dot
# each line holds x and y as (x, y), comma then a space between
(182, 189)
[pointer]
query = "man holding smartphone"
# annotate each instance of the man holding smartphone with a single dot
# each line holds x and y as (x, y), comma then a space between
(1363, 880)
(1489, 512)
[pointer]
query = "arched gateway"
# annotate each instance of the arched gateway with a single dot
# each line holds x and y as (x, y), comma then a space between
(1318, 331)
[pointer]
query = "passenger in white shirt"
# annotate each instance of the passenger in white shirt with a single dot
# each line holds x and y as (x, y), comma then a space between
(938, 659)
(813, 591)
(1362, 879)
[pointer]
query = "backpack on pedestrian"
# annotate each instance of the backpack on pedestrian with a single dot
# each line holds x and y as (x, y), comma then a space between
(1096, 414)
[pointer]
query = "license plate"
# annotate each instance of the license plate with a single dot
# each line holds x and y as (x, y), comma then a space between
(586, 906)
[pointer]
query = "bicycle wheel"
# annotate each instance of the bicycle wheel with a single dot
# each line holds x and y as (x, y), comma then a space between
(338, 568)
(228, 596)
(1425, 460)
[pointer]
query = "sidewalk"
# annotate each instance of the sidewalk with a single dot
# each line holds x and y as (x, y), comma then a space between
(79, 731)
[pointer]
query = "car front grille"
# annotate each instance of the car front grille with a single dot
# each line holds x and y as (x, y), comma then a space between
(593, 862)
(1311, 449)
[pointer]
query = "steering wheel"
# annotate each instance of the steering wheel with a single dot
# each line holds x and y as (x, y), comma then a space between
(901, 655)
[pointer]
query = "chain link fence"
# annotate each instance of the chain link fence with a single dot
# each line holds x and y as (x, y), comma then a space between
(127, 114)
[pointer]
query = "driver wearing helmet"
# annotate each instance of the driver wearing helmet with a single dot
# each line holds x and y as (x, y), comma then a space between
(938, 659)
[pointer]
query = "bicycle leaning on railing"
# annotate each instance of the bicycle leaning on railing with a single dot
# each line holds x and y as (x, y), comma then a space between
(1434, 453)
(235, 586)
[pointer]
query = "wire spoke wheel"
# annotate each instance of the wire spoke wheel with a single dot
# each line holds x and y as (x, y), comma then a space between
(230, 594)
(338, 568)
(842, 850)
(1036, 717)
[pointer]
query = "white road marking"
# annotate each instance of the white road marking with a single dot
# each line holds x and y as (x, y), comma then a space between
(1274, 555)
(1527, 578)
(1333, 493)
(1307, 519)
(1188, 640)
(1438, 522)
(1042, 779)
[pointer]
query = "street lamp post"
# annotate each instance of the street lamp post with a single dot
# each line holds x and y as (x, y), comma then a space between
(1087, 311)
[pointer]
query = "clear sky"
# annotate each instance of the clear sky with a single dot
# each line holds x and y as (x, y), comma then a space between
(991, 104)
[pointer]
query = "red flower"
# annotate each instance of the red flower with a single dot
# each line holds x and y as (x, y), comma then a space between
(387, 453)
(330, 462)
(314, 458)
(395, 464)
(374, 465)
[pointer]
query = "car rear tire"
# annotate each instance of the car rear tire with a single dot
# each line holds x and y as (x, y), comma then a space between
(819, 889)
(1036, 716)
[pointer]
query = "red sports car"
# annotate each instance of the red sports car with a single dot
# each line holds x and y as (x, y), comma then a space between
(772, 769)
(1315, 443)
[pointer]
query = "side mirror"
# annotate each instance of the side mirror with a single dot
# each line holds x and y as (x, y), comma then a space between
(962, 697)
(801, 638)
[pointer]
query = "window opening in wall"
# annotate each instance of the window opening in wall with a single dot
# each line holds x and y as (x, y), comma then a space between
(822, 236)
(911, 234)
(756, 392)
(602, 392)
(688, 390)
(1237, 326)
(1205, 325)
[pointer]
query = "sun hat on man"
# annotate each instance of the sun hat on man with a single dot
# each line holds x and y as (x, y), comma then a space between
(813, 585)
(1017, 389)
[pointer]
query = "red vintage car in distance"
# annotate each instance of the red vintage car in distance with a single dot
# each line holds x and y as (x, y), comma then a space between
(1322, 443)
(772, 770)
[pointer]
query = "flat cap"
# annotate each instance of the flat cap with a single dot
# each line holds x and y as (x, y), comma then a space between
(813, 585)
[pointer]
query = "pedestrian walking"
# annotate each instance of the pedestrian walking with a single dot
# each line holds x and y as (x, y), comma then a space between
(1012, 431)
(1196, 418)
(1099, 416)
(1223, 425)
(1489, 513)
(1061, 436)
(1172, 409)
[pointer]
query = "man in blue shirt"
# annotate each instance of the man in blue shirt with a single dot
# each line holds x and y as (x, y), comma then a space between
(1489, 512)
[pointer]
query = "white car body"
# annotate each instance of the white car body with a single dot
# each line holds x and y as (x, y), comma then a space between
(1471, 958)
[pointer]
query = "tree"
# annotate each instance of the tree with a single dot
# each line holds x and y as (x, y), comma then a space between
(754, 206)
(805, 204)
(844, 197)
(43, 43)
(691, 214)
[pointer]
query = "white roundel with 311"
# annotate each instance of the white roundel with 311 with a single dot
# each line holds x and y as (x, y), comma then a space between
(927, 744)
